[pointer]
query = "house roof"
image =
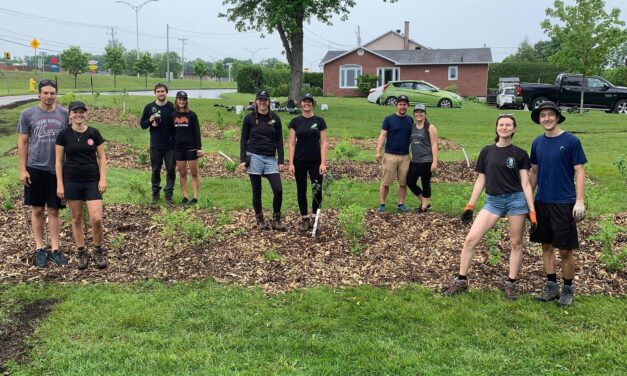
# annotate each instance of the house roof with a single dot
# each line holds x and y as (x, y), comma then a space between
(398, 35)
(423, 57)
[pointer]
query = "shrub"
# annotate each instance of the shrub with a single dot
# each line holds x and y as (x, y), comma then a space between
(351, 220)
(365, 82)
(316, 91)
(525, 71)
(314, 79)
(613, 259)
(345, 150)
(452, 88)
(66, 99)
(281, 90)
(471, 99)
(249, 79)
(617, 76)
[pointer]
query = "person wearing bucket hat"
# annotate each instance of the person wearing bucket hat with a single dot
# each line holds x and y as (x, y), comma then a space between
(503, 170)
(38, 128)
(187, 146)
(261, 154)
(424, 161)
(157, 117)
(396, 135)
(308, 153)
(557, 169)
(81, 167)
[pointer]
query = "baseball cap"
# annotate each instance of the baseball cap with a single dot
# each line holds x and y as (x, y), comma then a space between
(76, 105)
(535, 115)
(402, 98)
(308, 96)
(262, 94)
(181, 94)
(44, 83)
(420, 107)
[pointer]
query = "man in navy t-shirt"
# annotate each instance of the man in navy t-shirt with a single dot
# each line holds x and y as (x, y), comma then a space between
(396, 134)
(557, 169)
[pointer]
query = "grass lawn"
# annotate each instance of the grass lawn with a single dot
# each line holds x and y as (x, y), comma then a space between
(210, 328)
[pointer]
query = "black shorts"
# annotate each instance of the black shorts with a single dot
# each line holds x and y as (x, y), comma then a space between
(185, 155)
(81, 190)
(42, 190)
(556, 226)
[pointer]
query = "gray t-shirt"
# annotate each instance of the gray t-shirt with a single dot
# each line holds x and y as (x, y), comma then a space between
(421, 145)
(42, 128)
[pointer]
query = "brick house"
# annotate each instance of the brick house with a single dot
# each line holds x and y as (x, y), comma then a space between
(394, 56)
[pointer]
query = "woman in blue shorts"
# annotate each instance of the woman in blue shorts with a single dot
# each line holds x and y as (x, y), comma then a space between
(504, 173)
(81, 168)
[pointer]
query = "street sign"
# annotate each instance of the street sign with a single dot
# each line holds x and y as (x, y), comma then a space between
(34, 43)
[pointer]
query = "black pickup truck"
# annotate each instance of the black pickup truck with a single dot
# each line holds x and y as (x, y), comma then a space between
(566, 91)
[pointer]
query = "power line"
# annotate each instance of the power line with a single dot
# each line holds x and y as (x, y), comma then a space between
(205, 33)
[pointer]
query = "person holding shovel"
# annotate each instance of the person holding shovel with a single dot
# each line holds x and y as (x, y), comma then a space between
(308, 153)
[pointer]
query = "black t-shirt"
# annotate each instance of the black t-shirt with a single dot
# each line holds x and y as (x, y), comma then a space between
(501, 166)
(263, 135)
(80, 158)
(186, 131)
(308, 137)
(161, 136)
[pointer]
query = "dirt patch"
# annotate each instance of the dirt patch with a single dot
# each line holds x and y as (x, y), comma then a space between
(448, 172)
(396, 250)
(113, 116)
(17, 329)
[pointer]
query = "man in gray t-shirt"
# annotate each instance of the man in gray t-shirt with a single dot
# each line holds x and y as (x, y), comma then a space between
(38, 128)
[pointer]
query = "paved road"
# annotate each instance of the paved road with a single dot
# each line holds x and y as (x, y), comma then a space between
(16, 100)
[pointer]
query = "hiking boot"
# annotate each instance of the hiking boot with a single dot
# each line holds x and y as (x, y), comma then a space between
(510, 290)
(402, 208)
(58, 258)
(305, 223)
(276, 222)
(40, 258)
(193, 201)
(459, 285)
(101, 261)
(566, 297)
(83, 259)
(168, 200)
(155, 200)
(551, 291)
(185, 201)
(262, 224)
(381, 208)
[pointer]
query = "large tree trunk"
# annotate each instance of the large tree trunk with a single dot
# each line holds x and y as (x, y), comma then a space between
(293, 44)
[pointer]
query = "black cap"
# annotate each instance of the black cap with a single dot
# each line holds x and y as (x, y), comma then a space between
(262, 94)
(535, 115)
(76, 105)
(44, 83)
(181, 94)
(402, 98)
(308, 96)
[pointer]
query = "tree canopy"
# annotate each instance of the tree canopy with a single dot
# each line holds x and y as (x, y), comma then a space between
(74, 61)
(200, 69)
(114, 60)
(145, 65)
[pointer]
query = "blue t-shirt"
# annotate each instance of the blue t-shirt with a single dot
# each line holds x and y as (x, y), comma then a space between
(399, 133)
(556, 158)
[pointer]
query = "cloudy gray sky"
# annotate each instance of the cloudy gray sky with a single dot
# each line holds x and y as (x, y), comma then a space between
(500, 25)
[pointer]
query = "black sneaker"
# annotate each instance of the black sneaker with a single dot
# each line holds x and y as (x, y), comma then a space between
(40, 258)
(193, 201)
(420, 209)
(155, 200)
(58, 258)
(83, 259)
(101, 261)
(185, 201)
(168, 200)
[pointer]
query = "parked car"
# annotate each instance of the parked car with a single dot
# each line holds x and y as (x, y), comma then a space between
(507, 98)
(375, 95)
(419, 92)
(599, 93)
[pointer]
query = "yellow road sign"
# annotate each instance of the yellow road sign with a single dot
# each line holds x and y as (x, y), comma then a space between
(34, 43)
(7, 55)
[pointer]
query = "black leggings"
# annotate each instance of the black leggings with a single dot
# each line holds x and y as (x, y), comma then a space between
(422, 170)
(277, 191)
(300, 174)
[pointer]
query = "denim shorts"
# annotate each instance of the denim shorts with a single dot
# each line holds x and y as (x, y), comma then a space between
(261, 165)
(513, 203)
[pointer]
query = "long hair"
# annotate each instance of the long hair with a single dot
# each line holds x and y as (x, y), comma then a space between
(503, 116)
(177, 108)
(257, 112)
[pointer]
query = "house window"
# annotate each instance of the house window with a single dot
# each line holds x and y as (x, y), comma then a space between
(348, 76)
(388, 74)
(452, 73)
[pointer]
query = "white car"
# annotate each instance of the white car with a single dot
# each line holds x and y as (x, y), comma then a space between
(507, 97)
(375, 95)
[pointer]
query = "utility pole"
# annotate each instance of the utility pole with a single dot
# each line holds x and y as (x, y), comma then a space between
(358, 37)
(167, 52)
(182, 56)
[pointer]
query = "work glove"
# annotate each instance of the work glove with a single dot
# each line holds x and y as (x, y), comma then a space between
(579, 211)
(467, 214)
(533, 220)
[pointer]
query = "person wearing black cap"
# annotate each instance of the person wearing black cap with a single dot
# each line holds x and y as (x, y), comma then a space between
(308, 154)
(396, 134)
(187, 145)
(557, 169)
(424, 160)
(157, 117)
(261, 154)
(38, 128)
(81, 167)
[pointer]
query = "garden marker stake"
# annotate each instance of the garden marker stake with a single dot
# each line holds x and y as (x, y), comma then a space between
(315, 189)
(466, 156)
(226, 156)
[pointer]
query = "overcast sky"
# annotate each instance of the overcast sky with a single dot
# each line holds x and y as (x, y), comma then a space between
(500, 25)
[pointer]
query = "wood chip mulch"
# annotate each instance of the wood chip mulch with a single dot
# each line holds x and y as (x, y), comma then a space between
(397, 250)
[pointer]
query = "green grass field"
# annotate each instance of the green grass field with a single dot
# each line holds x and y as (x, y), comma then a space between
(206, 328)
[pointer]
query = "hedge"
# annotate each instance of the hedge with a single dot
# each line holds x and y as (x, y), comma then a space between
(527, 72)
(252, 78)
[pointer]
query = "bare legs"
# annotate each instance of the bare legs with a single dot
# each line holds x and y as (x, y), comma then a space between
(94, 208)
(193, 170)
(37, 220)
(550, 260)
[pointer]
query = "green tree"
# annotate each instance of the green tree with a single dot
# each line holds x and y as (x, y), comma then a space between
(286, 17)
(618, 56)
(587, 33)
(525, 53)
(74, 61)
(114, 60)
(145, 65)
(546, 48)
(218, 70)
(130, 57)
(200, 69)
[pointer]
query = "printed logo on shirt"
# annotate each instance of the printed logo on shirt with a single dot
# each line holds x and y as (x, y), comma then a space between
(271, 122)
(314, 126)
(510, 162)
(181, 121)
(90, 142)
(562, 148)
(154, 110)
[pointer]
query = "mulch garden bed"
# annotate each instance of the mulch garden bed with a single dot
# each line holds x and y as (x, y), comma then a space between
(397, 250)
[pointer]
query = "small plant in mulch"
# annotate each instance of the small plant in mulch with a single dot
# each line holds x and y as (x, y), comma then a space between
(272, 255)
(142, 158)
(9, 190)
(232, 134)
(230, 166)
(184, 223)
(613, 259)
(493, 239)
(351, 221)
(345, 151)
(117, 243)
(220, 120)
